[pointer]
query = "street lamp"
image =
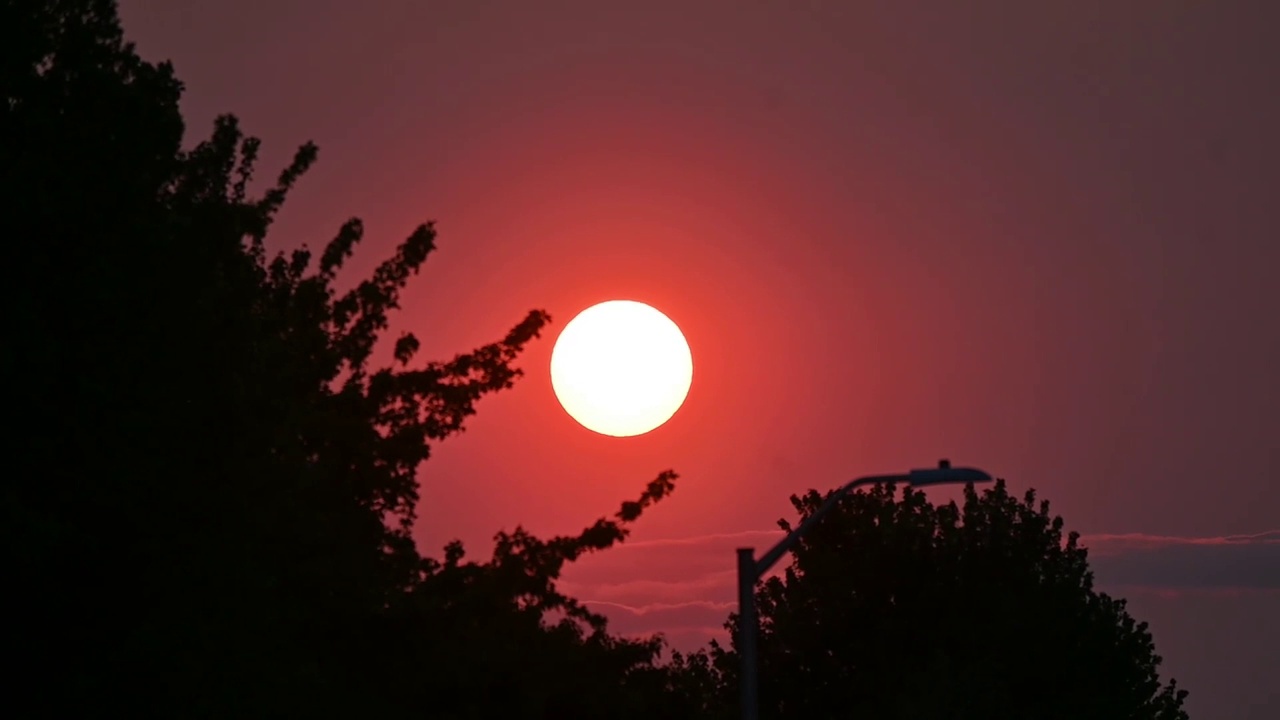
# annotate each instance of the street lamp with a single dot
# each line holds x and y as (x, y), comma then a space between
(750, 570)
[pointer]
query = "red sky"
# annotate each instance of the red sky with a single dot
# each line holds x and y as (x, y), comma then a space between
(1038, 238)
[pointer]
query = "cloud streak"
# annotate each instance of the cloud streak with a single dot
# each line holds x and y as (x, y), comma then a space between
(685, 587)
(1237, 562)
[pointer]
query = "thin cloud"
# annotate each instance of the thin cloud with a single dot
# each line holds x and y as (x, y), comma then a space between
(1126, 542)
(686, 626)
(701, 587)
(665, 607)
(1227, 562)
(704, 540)
(686, 587)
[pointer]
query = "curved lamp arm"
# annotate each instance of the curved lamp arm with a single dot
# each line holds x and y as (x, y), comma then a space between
(943, 474)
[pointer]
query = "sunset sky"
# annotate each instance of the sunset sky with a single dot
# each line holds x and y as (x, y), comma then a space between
(1039, 238)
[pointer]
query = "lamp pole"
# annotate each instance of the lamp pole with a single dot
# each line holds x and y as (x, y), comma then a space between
(751, 570)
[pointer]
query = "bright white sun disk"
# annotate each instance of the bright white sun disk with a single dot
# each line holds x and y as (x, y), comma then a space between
(621, 368)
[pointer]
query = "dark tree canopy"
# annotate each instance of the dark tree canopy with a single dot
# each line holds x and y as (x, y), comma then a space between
(894, 608)
(208, 509)
(211, 485)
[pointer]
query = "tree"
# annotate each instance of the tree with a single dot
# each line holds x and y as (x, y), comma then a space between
(209, 505)
(894, 608)
(517, 647)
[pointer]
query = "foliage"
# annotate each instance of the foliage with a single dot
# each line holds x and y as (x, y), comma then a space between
(209, 500)
(894, 608)
(209, 508)
(516, 660)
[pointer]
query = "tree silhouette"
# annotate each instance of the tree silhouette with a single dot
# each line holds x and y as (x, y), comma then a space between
(507, 660)
(209, 504)
(894, 608)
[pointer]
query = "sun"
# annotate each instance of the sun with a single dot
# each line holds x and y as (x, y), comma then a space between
(621, 368)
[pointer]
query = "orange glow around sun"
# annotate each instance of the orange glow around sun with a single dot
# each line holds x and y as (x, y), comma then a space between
(621, 368)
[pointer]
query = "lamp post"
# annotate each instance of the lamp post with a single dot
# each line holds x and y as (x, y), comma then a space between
(750, 570)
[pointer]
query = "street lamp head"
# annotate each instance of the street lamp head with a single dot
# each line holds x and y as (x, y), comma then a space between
(945, 474)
